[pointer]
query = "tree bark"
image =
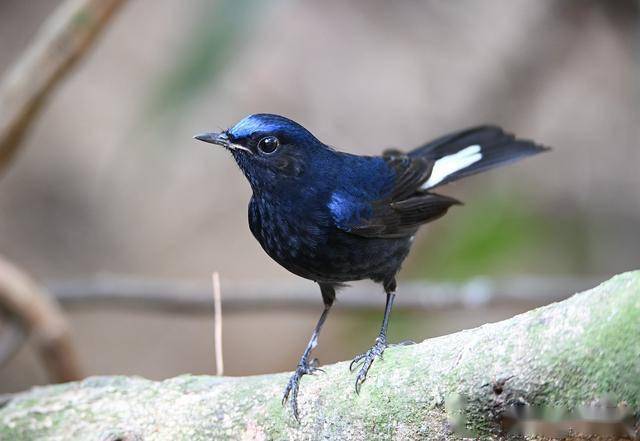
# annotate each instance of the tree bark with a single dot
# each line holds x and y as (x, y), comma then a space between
(574, 355)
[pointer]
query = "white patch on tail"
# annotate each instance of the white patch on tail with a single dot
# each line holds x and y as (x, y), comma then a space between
(447, 165)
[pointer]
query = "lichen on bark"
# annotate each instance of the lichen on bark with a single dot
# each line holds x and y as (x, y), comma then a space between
(561, 356)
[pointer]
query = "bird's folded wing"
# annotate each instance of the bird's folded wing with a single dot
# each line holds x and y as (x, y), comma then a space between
(410, 173)
(401, 218)
(400, 211)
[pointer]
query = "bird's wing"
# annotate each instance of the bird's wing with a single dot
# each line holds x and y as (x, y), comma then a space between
(400, 211)
(410, 173)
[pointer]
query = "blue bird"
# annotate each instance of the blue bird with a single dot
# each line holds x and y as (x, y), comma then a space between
(334, 217)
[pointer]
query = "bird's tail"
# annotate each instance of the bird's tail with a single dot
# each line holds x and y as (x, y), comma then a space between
(472, 151)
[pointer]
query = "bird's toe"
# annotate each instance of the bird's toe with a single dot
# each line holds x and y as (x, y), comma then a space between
(291, 394)
(357, 360)
(366, 360)
(293, 386)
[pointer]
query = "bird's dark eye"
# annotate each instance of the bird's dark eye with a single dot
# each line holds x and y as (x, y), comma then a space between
(268, 144)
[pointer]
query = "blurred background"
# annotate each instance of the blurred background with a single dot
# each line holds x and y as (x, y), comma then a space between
(109, 186)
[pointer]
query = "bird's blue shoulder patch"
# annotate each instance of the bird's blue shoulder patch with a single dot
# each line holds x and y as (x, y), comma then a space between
(347, 211)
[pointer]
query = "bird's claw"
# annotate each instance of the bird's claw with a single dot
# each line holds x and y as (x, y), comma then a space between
(291, 391)
(366, 359)
(356, 361)
(312, 366)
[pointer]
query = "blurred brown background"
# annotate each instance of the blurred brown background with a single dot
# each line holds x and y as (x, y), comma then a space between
(111, 183)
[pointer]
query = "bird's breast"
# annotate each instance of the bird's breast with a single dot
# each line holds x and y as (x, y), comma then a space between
(290, 235)
(307, 243)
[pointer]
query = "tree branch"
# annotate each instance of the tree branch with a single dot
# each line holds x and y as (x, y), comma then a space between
(62, 40)
(558, 357)
(190, 297)
(39, 314)
(12, 335)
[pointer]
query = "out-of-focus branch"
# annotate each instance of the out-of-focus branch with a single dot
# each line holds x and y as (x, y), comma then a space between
(39, 314)
(62, 40)
(12, 336)
(173, 297)
(195, 298)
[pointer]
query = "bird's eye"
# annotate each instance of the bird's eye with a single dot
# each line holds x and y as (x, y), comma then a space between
(268, 144)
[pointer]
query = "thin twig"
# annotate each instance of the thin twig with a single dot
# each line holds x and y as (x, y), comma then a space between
(40, 314)
(59, 44)
(217, 307)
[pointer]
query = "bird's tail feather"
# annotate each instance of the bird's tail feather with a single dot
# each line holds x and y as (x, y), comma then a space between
(472, 151)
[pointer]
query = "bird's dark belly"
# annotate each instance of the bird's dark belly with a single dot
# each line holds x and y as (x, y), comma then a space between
(327, 254)
(353, 257)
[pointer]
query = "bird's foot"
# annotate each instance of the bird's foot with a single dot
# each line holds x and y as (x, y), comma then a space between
(291, 391)
(366, 360)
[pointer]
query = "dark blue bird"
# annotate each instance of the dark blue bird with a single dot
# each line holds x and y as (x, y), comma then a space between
(334, 217)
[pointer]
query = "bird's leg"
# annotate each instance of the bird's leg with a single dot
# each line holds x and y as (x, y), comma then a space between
(366, 359)
(306, 366)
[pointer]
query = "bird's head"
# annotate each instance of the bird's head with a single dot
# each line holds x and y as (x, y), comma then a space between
(271, 150)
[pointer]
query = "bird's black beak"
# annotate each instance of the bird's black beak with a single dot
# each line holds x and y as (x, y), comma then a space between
(221, 139)
(214, 138)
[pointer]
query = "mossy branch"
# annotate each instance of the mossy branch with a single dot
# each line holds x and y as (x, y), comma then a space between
(558, 357)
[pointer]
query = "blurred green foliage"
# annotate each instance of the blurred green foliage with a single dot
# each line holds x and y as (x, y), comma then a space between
(501, 234)
(219, 30)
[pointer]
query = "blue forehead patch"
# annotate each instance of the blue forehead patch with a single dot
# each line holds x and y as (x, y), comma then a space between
(249, 125)
(267, 123)
(263, 123)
